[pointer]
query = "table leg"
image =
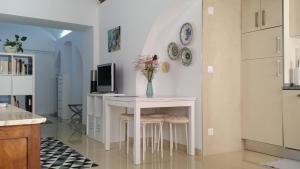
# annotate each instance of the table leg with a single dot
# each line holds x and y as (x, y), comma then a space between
(192, 130)
(107, 112)
(137, 136)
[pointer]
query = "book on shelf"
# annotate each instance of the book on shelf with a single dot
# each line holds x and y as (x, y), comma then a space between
(21, 68)
(4, 67)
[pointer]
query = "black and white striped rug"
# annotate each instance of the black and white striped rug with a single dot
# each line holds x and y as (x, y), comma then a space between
(56, 155)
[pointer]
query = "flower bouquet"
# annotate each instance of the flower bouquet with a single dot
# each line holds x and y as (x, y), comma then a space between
(148, 65)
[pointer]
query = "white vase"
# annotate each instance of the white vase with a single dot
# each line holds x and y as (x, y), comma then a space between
(10, 49)
(297, 76)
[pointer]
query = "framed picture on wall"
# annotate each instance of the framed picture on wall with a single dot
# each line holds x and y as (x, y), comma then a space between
(114, 39)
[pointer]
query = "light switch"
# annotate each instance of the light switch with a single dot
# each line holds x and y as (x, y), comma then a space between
(211, 10)
(210, 69)
(210, 131)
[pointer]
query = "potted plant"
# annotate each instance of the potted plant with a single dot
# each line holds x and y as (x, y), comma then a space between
(148, 65)
(16, 45)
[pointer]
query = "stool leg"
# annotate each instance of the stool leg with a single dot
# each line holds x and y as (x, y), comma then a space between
(152, 138)
(158, 138)
(155, 148)
(171, 140)
(175, 136)
(144, 141)
(120, 134)
(186, 138)
(127, 135)
(147, 137)
(161, 140)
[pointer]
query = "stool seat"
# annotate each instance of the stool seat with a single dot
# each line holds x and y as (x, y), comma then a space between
(146, 119)
(177, 119)
(156, 115)
(126, 116)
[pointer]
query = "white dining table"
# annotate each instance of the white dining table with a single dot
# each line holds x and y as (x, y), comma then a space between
(138, 103)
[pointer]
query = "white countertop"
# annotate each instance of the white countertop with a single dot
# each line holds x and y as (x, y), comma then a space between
(12, 116)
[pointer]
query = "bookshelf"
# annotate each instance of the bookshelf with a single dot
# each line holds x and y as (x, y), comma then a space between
(17, 77)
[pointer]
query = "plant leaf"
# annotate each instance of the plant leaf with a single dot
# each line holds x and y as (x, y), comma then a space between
(23, 38)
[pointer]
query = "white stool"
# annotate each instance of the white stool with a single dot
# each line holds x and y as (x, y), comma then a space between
(153, 122)
(174, 120)
(125, 118)
(145, 120)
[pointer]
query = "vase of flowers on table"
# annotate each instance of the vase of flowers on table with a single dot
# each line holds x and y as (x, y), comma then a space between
(148, 65)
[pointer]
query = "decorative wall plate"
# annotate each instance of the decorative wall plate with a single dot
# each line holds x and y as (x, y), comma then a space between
(186, 56)
(186, 34)
(173, 51)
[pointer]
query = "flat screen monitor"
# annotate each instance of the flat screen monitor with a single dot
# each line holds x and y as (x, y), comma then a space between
(106, 78)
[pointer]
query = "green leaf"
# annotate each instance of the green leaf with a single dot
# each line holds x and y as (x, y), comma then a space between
(24, 38)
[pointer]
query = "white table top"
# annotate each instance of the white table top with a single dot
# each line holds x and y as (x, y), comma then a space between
(150, 99)
(12, 116)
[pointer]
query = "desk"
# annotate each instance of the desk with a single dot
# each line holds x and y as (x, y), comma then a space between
(137, 103)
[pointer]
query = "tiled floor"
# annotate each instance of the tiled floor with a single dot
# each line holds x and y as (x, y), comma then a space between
(116, 159)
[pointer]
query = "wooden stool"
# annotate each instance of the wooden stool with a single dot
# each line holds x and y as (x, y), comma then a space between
(145, 120)
(174, 120)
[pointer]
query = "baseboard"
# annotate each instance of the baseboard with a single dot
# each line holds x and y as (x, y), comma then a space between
(273, 150)
(181, 147)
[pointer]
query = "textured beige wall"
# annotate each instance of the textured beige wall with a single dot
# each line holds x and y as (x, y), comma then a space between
(221, 90)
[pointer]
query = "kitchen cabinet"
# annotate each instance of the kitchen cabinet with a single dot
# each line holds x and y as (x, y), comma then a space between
(20, 147)
(294, 17)
(261, 14)
(262, 100)
(263, 44)
(291, 116)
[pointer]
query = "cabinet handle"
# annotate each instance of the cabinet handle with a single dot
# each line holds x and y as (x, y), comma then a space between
(278, 44)
(263, 15)
(256, 19)
(278, 68)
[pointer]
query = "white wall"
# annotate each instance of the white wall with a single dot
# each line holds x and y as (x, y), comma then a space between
(147, 27)
(38, 38)
(77, 65)
(41, 44)
(290, 44)
(45, 82)
(83, 12)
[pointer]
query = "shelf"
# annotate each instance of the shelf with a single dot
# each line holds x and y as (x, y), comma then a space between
(14, 75)
(22, 84)
(16, 54)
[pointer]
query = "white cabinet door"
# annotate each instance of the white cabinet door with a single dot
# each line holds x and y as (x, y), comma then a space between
(271, 13)
(250, 15)
(262, 100)
(22, 85)
(291, 116)
(262, 44)
(5, 85)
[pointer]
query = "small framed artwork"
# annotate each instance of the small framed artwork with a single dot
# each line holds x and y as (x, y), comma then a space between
(114, 39)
